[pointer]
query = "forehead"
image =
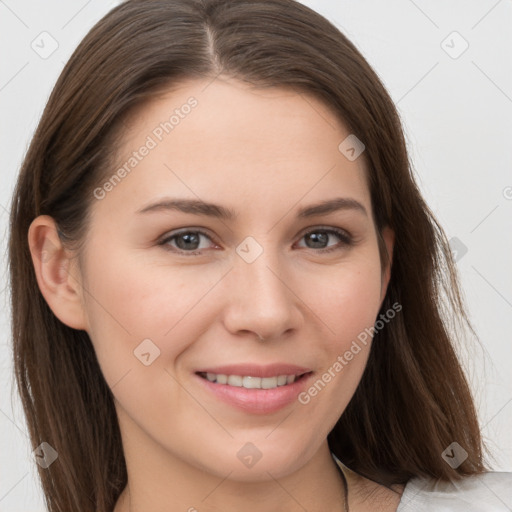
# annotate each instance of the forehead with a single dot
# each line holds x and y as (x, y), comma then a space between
(227, 139)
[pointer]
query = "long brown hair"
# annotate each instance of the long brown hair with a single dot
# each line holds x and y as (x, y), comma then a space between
(413, 400)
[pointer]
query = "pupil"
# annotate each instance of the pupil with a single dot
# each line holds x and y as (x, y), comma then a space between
(319, 239)
(189, 238)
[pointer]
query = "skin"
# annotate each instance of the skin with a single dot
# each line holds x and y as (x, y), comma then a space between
(263, 154)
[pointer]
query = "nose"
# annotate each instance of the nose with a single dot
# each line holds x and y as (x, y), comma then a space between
(260, 298)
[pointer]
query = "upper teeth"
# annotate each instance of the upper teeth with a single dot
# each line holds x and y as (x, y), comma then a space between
(250, 382)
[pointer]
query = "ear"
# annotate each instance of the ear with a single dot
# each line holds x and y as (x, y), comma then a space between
(55, 272)
(388, 236)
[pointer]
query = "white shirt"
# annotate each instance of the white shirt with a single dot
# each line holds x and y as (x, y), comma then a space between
(487, 492)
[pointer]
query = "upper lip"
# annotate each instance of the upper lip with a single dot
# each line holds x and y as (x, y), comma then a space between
(255, 370)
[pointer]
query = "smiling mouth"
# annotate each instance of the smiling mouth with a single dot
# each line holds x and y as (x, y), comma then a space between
(250, 382)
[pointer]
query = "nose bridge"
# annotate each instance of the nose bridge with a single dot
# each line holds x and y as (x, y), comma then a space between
(260, 300)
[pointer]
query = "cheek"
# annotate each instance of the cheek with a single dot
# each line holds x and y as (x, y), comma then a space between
(129, 300)
(347, 305)
(348, 299)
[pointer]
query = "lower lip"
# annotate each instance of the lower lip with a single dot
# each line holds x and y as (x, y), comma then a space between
(257, 401)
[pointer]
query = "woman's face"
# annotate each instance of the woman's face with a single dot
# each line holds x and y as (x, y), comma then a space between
(212, 235)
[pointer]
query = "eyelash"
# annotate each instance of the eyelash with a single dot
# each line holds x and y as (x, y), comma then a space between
(344, 236)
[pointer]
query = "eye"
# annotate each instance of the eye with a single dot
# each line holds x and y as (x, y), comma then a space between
(189, 241)
(319, 237)
(186, 241)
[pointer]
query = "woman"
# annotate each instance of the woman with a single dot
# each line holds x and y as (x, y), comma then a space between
(228, 293)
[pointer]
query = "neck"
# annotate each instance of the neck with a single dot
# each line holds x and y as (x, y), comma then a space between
(317, 486)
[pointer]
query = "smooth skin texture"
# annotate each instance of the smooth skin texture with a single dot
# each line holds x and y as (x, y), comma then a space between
(263, 154)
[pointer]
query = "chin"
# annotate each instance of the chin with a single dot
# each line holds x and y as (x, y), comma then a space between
(261, 461)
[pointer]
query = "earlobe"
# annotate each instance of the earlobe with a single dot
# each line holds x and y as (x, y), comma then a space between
(53, 268)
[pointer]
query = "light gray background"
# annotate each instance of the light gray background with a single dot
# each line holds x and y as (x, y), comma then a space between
(457, 113)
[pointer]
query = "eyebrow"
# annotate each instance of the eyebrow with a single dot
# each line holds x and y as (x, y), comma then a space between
(197, 207)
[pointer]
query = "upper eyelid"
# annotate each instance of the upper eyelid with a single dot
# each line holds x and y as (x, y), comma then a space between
(331, 229)
(171, 234)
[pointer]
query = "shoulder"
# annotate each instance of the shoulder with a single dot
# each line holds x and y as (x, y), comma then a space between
(489, 492)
